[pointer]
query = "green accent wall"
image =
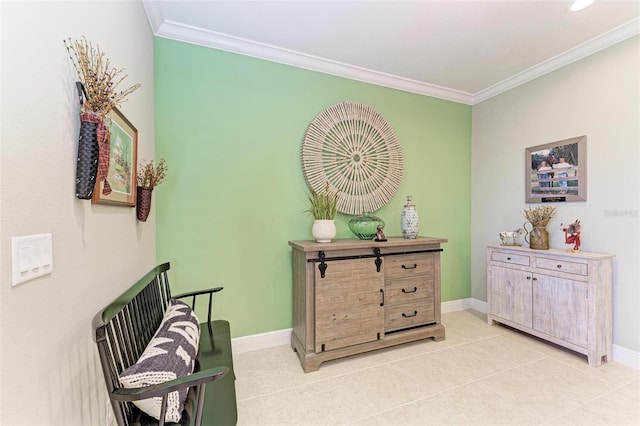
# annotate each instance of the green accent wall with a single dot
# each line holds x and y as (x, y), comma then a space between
(230, 128)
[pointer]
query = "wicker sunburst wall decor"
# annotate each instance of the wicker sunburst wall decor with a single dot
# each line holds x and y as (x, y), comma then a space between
(356, 151)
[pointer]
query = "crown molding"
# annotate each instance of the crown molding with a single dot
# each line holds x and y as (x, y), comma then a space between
(581, 51)
(206, 38)
(180, 32)
(154, 14)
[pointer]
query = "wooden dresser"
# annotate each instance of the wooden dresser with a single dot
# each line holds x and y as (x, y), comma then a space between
(352, 296)
(562, 297)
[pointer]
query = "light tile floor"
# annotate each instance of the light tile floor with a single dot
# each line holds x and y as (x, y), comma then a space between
(479, 375)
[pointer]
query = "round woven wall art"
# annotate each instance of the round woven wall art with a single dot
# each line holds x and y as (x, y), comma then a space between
(354, 150)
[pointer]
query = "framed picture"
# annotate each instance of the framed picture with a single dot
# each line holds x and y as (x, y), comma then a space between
(123, 156)
(556, 172)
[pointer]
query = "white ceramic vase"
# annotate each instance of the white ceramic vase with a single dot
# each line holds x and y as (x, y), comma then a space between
(323, 230)
(409, 220)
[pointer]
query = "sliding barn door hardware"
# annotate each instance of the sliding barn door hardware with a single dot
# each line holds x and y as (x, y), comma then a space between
(322, 266)
(322, 258)
(378, 262)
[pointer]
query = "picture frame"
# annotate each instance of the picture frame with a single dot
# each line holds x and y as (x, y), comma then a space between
(123, 157)
(556, 172)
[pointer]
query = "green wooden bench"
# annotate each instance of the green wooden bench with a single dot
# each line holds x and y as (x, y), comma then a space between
(124, 328)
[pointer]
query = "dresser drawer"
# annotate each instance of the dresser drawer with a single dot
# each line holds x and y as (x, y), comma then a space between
(565, 266)
(405, 290)
(397, 317)
(512, 258)
(409, 265)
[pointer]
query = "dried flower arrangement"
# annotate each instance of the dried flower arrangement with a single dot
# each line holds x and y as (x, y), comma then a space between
(99, 80)
(540, 216)
(149, 176)
(323, 205)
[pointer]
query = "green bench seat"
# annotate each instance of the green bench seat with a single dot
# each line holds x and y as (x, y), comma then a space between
(124, 328)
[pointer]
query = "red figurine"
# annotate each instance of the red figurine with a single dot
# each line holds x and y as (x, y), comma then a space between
(572, 235)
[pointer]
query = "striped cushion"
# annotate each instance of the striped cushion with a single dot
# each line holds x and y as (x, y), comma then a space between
(170, 354)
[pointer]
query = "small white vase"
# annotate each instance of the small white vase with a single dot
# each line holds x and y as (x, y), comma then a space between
(323, 230)
(409, 220)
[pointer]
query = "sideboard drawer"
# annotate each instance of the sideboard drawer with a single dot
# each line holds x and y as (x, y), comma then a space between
(408, 315)
(562, 266)
(409, 265)
(516, 259)
(404, 290)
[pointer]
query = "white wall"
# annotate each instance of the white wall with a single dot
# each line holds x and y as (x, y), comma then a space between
(49, 369)
(598, 96)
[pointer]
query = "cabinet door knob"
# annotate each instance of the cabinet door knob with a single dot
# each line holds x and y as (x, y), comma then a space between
(528, 278)
(410, 291)
(508, 258)
(410, 315)
(382, 292)
(415, 265)
(559, 266)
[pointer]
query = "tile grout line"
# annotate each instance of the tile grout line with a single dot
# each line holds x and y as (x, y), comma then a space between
(454, 388)
(588, 402)
(344, 374)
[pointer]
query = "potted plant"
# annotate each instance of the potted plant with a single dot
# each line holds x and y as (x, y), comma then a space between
(148, 178)
(99, 85)
(323, 208)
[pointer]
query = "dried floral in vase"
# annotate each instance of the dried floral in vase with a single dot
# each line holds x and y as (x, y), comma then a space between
(100, 80)
(149, 176)
(539, 216)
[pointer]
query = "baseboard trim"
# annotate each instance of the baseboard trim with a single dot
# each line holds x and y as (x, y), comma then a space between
(463, 304)
(256, 342)
(626, 356)
(270, 339)
(455, 305)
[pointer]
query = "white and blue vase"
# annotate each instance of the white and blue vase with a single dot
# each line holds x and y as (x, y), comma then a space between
(409, 220)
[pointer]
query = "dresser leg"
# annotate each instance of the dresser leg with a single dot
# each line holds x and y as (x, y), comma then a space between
(594, 360)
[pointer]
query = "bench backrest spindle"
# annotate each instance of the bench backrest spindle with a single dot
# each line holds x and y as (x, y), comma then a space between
(124, 329)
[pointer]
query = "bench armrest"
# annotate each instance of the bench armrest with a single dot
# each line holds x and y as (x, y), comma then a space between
(161, 389)
(198, 292)
(195, 294)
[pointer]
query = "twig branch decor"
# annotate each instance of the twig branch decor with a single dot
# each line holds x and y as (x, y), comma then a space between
(539, 216)
(99, 79)
(149, 176)
(355, 151)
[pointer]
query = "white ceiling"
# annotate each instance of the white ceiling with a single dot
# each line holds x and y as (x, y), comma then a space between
(465, 51)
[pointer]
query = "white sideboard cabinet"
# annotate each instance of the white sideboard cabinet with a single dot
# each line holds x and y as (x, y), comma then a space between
(559, 296)
(352, 296)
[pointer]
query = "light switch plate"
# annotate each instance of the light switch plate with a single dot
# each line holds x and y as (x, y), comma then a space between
(31, 257)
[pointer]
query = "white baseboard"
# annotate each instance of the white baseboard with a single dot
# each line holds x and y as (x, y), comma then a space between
(270, 339)
(455, 305)
(626, 356)
(256, 342)
(479, 305)
(463, 304)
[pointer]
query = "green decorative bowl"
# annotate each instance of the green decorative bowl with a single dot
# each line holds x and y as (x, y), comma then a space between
(365, 226)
